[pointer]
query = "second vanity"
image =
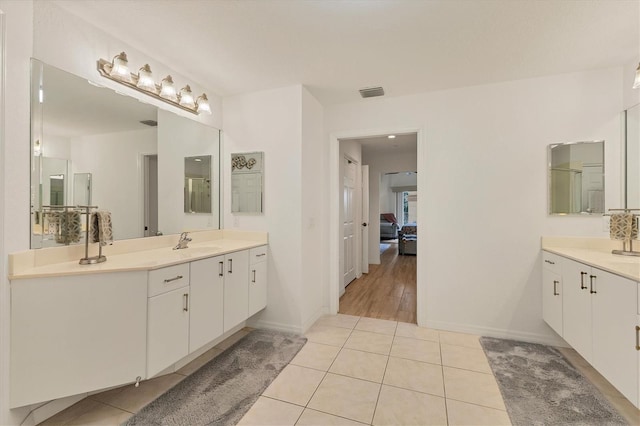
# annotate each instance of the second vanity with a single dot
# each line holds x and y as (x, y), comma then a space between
(591, 298)
(81, 328)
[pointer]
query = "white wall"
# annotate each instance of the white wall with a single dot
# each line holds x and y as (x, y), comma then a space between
(271, 121)
(379, 164)
(314, 240)
(483, 213)
(15, 158)
(178, 138)
(114, 161)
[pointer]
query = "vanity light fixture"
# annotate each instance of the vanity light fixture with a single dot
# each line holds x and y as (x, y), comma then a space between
(636, 83)
(118, 70)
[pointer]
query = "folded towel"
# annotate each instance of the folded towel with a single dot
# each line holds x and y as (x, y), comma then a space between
(53, 222)
(70, 227)
(100, 228)
(623, 226)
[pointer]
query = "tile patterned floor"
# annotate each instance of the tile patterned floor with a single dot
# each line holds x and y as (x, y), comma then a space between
(355, 371)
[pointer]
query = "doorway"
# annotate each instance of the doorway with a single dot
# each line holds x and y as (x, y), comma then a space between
(389, 290)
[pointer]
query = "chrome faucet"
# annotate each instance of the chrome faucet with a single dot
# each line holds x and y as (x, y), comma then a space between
(183, 241)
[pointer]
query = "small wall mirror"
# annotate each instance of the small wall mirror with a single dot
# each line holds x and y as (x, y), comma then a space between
(197, 184)
(56, 190)
(82, 189)
(247, 182)
(576, 178)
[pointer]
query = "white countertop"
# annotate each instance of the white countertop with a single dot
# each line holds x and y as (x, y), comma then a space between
(23, 265)
(594, 253)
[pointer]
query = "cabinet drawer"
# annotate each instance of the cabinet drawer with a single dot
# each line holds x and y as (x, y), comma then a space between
(258, 254)
(551, 262)
(167, 279)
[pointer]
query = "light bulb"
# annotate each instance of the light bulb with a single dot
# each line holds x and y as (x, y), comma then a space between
(186, 97)
(145, 79)
(202, 104)
(120, 67)
(168, 90)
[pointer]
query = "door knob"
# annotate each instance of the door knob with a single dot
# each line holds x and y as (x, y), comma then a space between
(364, 223)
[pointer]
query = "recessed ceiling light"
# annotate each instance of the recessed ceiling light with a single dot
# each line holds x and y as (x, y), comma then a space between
(391, 136)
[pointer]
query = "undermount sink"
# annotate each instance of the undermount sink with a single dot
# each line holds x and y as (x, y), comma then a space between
(198, 250)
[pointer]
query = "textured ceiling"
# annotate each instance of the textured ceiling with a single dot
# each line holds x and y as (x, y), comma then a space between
(338, 47)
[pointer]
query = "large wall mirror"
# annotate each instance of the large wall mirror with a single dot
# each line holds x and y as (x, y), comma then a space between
(632, 157)
(576, 178)
(92, 145)
(247, 176)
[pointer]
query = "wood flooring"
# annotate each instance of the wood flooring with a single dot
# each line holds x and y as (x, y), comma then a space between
(388, 291)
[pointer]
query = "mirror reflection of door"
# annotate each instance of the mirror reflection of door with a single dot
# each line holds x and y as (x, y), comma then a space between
(150, 165)
(82, 189)
(197, 184)
(56, 190)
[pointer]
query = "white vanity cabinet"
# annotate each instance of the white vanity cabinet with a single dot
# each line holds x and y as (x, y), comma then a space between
(73, 334)
(577, 325)
(552, 291)
(236, 288)
(614, 318)
(207, 297)
(168, 317)
(599, 319)
(257, 279)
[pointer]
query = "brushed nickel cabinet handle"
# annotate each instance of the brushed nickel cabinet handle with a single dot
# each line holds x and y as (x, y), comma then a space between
(582, 275)
(591, 280)
(254, 276)
(231, 266)
(221, 271)
(637, 337)
(555, 288)
(186, 302)
(178, 277)
(261, 254)
(550, 262)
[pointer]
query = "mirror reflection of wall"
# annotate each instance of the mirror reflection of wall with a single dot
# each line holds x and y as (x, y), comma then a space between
(576, 178)
(632, 158)
(108, 136)
(197, 184)
(56, 190)
(247, 182)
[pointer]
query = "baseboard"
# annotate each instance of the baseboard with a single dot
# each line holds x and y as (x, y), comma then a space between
(50, 409)
(498, 333)
(312, 319)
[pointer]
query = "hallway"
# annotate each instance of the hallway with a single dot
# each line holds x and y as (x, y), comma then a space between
(388, 291)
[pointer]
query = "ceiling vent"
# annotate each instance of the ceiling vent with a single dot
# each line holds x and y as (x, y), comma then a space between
(152, 123)
(371, 92)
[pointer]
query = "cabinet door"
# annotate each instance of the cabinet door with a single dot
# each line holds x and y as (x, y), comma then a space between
(552, 300)
(168, 330)
(236, 288)
(257, 287)
(614, 306)
(207, 293)
(576, 307)
(71, 335)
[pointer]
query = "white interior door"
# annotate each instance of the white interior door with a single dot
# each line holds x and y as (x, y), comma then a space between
(349, 186)
(365, 219)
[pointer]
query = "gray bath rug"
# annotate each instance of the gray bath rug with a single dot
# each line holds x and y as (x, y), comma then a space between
(224, 389)
(540, 387)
